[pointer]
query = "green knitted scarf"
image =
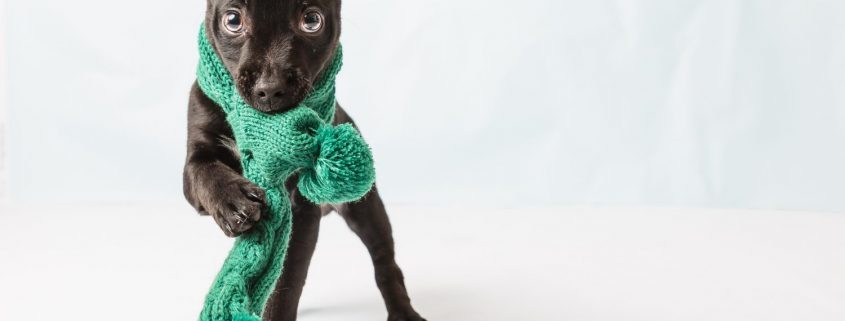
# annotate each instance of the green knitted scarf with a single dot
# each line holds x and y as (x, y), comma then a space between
(334, 166)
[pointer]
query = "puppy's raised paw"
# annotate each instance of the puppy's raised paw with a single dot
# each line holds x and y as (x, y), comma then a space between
(237, 207)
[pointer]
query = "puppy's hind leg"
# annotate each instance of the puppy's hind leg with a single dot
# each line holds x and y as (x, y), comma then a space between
(368, 219)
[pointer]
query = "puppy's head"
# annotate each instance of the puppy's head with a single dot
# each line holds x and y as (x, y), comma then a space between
(274, 49)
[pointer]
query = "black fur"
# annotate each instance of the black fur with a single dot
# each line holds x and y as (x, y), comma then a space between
(274, 63)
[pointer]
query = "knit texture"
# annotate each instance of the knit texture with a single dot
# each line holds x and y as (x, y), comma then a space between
(334, 165)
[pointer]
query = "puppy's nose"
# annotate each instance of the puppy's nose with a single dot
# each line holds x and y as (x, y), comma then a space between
(268, 90)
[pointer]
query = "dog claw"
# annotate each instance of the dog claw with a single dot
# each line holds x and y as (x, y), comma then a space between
(229, 231)
(241, 216)
(254, 195)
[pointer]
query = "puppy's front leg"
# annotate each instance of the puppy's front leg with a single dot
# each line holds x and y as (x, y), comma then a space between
(212, 179)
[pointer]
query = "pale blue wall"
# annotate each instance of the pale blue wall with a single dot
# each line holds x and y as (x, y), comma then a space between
(682, 103)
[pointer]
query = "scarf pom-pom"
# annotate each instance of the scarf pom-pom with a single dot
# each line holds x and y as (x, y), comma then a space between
(343, 171)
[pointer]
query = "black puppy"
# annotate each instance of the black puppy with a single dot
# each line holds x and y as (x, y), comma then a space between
(275, 50)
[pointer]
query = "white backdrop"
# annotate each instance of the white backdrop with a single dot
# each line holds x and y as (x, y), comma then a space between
(4, 172)
(718, 103)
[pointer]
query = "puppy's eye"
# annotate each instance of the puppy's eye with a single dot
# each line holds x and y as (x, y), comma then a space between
(312, 21)
(232, 21)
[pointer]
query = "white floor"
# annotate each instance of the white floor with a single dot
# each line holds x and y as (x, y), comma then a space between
(131, 262)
